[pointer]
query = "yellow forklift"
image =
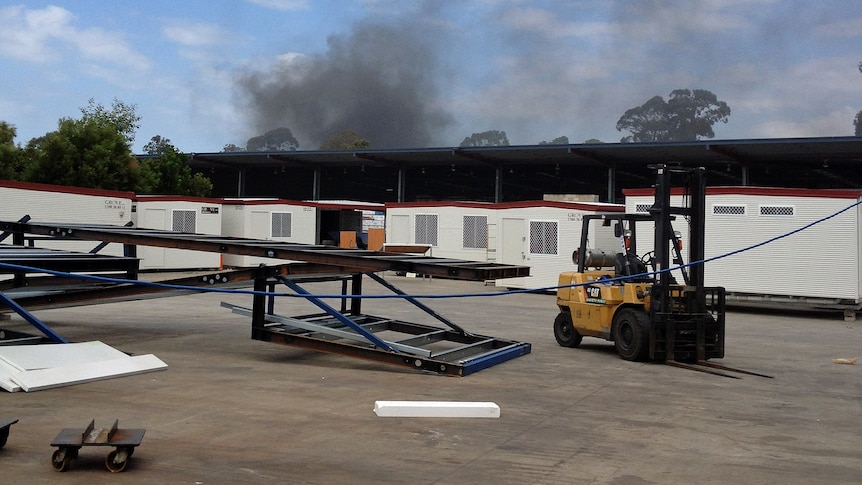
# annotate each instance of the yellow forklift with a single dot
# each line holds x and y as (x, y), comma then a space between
(633, 299)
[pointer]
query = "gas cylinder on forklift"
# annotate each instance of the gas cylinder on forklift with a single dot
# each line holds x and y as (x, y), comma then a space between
(632, 298)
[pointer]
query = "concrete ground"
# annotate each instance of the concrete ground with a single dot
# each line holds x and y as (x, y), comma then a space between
(233, 410)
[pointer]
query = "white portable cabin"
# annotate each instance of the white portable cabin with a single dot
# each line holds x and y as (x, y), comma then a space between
(57, 203)
(543, 235)
(457, 230)
(817, 267)
(539, 234)
(180, 214)
(301, 222)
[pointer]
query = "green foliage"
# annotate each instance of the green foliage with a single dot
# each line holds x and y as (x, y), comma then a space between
(857, 122)
(10, 154)
(168, 172)
(230, 147)
(84, 153)
(277, 140)
(122, 117)
(157, 145)
(491, 138)
(686, 116)
(560, 140)
(346, 140)
(592, 141)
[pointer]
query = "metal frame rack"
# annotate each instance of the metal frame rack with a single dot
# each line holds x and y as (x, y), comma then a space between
(450, 350)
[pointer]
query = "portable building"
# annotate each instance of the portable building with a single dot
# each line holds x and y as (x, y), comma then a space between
(458, 230)
(779, 246)
(56, 203)
(301, 222)
(543, 235)
(539, 234)
(181, 214)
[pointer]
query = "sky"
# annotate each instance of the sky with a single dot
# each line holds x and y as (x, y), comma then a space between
(415, 74)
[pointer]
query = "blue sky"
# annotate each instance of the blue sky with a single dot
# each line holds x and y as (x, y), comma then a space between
(413, 73)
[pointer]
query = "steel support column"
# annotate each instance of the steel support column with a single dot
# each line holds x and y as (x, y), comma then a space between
(498, 184)
(401, 188)
(315, 184)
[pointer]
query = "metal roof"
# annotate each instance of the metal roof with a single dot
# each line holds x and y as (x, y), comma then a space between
(838, 149)
(527, 172)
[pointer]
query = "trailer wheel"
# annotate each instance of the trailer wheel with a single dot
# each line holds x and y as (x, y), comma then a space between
(631, 334)
(61, 459)
(564, 331)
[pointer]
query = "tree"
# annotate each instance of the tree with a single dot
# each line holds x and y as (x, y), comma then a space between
(346, 140)
(89, 152)
(122, 117)
(491, 138)
(686, 116)
(592, 141)
(10, 154)
(560, 140)
(230, 148)
(277, 140)
(169, 173)
(857, 121)
(157, 145)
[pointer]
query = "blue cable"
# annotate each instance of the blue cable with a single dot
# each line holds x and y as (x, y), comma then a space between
(430, 297)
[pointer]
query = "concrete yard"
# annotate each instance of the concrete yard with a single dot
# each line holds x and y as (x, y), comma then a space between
(233, 410)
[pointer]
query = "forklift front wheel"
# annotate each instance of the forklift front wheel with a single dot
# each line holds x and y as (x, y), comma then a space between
(564, 331)
(631, 333)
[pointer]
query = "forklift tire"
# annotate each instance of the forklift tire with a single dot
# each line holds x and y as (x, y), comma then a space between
(631, 333)
(564, 331)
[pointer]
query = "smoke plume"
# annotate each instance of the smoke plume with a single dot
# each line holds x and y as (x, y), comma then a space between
(378, 81)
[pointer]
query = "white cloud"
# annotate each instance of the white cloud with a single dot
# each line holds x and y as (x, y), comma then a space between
(196, 34)
(550, 24)
(849, 27)
(26, 33)
(45, 35)
(835, 123)
(282, 4)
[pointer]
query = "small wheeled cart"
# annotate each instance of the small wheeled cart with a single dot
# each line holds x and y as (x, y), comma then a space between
(70, 441)
(5, 424)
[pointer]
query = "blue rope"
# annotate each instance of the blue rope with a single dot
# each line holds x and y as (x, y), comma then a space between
(430, 297)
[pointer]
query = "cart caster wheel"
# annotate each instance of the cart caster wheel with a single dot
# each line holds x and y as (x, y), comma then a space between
(117, 461)
(61, 459)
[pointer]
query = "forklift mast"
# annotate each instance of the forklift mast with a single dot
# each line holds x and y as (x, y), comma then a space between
(691, 309)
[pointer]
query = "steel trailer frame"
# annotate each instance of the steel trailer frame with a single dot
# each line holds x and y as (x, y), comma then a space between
(345, 331)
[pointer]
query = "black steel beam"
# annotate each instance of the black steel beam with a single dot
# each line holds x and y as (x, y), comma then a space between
(328, 255)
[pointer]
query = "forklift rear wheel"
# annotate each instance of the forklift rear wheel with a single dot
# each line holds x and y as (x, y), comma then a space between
(631, 334)
(564, 331)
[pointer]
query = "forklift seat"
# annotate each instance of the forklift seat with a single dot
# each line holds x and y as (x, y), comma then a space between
(635, 267)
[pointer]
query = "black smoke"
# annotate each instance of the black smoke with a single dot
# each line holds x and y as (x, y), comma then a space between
(379, 81)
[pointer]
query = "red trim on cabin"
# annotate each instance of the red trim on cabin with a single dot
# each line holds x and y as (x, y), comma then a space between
(584, 206)
(176, 198)
(766, 191)
(65, 189)
(306, 203)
